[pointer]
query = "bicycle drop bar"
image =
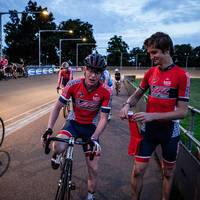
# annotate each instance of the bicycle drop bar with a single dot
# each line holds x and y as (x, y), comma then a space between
(49, 140)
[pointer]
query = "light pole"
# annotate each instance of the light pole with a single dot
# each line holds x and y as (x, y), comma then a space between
(42, 31)
(137, 59)
(79, 44)
(186, 60)
(44, 12)
(68, 39)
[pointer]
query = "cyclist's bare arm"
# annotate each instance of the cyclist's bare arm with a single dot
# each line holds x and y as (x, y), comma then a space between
(54, 114)
(103, 120)
(131, 101)
(59, 78)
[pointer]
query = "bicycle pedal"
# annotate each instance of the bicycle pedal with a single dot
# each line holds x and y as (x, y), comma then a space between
(73, 186)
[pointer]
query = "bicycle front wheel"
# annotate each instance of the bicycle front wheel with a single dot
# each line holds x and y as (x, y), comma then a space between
(64, 186)
(2, 131)
(66, 110)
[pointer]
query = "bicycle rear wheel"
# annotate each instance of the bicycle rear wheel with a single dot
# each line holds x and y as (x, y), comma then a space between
(2, 131)
(64, 186)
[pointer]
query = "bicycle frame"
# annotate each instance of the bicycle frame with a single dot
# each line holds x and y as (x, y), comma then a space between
(66, 173)
(65, 184)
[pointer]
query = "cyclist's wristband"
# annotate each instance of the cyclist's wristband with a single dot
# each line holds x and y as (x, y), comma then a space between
(127, 103)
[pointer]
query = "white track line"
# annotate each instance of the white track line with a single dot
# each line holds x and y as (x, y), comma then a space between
(10, 128)
(29, 111)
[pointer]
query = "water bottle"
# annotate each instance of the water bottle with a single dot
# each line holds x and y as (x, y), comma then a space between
(135, 136)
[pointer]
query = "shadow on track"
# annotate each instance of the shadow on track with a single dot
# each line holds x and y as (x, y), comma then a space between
(4, 162)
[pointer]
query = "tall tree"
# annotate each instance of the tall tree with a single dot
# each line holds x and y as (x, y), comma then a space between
(182, 55)
(117, 49)
(21, 34)
(80, 30)
(195, 61)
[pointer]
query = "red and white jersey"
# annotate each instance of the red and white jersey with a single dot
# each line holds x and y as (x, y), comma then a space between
(64, 75)
(166, 87)
(86, 104)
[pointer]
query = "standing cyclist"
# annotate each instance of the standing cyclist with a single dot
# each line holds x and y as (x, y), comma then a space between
(65, 75)
(89, 98)
(168, 98)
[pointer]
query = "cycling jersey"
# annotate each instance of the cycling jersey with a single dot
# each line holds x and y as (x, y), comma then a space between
(86, 104)
(117, 76)
(64, 76)
(107, 77)
(3, 63)
(166, 87)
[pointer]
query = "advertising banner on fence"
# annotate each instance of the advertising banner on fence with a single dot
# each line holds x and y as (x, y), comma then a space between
(36, 70)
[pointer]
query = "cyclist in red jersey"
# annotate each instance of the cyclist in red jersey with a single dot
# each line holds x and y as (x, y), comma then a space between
(167, 102)
(90, 99)
(64, 75)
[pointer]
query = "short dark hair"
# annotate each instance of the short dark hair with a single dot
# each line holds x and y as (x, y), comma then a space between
(160, 40)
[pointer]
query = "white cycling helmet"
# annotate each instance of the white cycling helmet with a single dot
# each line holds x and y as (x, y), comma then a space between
(65, 65)
(116, 70)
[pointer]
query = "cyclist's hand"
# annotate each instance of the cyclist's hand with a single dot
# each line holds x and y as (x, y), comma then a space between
(58, 88)
(96, 146)
(46, 135)
(124, 111)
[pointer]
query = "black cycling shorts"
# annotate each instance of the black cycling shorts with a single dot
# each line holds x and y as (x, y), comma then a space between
(156, 133)
(83, 131)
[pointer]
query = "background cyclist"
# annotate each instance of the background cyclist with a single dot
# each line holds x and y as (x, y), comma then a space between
(169, 87)
(107, 80)
(64, 75)
(89, 97)
(117, 78)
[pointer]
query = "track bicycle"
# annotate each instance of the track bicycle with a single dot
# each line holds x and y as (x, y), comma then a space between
(2, 131)
(66, 108)
(117, 87)
(65, 184)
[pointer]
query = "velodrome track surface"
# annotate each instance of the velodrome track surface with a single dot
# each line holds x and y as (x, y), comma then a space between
(30, 176)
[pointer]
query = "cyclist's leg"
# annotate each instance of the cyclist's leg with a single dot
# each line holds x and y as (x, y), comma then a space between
(170, 150)
(119, 85)
(59, 147)
(142, 156)
(65, 132)
(92, 165)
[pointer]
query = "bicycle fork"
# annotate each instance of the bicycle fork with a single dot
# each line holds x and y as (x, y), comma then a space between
(69, 158)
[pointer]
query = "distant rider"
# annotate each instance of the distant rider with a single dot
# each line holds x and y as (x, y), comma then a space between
(65, 75)
(117, 79)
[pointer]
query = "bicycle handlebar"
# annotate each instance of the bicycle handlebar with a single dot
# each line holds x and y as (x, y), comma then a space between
(49, 140)
(47, 149)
